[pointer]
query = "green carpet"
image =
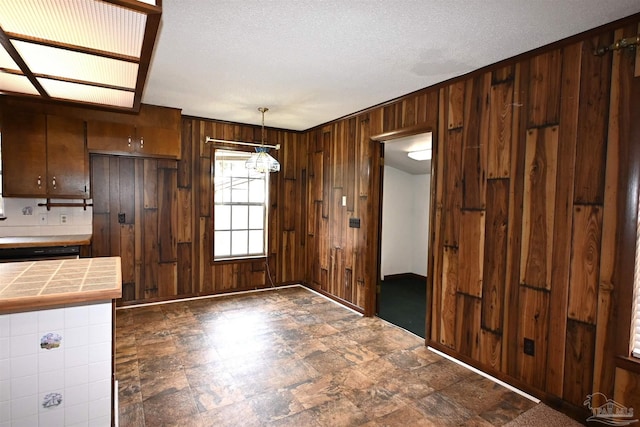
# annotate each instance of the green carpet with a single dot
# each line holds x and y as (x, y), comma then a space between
(403, 302)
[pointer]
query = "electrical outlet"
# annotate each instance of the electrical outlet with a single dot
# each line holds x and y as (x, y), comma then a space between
(529, 347)
(42, 219)
(64, 219)
(121, 218)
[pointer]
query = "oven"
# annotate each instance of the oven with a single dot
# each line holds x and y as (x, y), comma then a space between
(39, 253)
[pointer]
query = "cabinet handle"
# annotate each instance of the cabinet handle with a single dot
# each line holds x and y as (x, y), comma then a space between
(54, 182)
(141, 143)
(39, 181)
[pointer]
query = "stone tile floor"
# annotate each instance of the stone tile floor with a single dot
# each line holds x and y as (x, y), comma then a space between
(289, 357)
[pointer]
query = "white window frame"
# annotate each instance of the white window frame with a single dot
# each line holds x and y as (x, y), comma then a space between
(635, 310)
(228, 184)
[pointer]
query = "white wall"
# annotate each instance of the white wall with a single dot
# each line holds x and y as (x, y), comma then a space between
(405, 223)
(26, 218)
(421, 203)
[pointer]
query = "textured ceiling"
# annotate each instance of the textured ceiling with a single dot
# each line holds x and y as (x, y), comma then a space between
(311, 62)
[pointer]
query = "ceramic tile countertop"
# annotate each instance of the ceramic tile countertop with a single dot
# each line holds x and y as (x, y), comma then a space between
(35, 284)
(43, 241)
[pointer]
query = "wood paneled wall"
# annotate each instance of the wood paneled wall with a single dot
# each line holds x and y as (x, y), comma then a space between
(166, 239)
(528, 176)
(343, 164)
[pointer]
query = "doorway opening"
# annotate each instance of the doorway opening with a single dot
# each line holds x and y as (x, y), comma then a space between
(404, 238)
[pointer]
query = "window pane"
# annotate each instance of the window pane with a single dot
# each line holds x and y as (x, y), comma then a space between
(222, 217)
(256, 217)
(237, 166)
(240, 190)
(256, 191)
(240, 217)
(222, 189)
(239, 242)
(256, 242)
(222, 243)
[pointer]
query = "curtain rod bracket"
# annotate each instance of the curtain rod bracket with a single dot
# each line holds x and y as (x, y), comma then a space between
(627, 43)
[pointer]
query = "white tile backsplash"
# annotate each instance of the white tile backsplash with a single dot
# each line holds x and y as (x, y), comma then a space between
(24, 323)
(5, 412)
(24, 366)
(51, 380)
(4, 348)
(79, 369)
(77, 414)
(24, 386)
(23, 345)
(49, 320)
(76, 375)
(99, 353)
(24, 407)
(54, 418)
(5, 369)
(76, 316)
(98, 371)
(78, 357)
(42, 222)
(76, 337)
(77, 394)
(100, 422)
(100, 390)
(5, 325)
(5, 392)
(51, 360)
(99, 408)
(100, 313)
(25, 422)
(100, 333)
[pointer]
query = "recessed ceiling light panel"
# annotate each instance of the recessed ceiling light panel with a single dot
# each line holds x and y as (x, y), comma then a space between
(67, 64)
(89, 23)
(84, 93)
(16, 83)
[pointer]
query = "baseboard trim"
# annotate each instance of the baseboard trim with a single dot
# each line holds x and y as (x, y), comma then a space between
(404, 276)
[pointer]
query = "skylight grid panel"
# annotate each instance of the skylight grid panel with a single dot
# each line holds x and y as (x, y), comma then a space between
(84, 93)
(6, 61)
(16, 83)
(87, 23)
(67, 64)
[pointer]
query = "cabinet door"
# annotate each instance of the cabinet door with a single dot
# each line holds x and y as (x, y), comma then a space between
(158, 142)
(67, 158)
(24, 154)
(110, 138)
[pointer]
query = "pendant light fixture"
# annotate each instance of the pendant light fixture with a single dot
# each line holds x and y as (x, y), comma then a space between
(261, 160)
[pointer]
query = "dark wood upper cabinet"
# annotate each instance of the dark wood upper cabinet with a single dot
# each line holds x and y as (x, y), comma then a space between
(132, 140)
(44, 156)
(24, 151)
(67, 158)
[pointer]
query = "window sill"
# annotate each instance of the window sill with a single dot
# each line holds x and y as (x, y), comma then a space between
(240, 259)
(628, 363)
